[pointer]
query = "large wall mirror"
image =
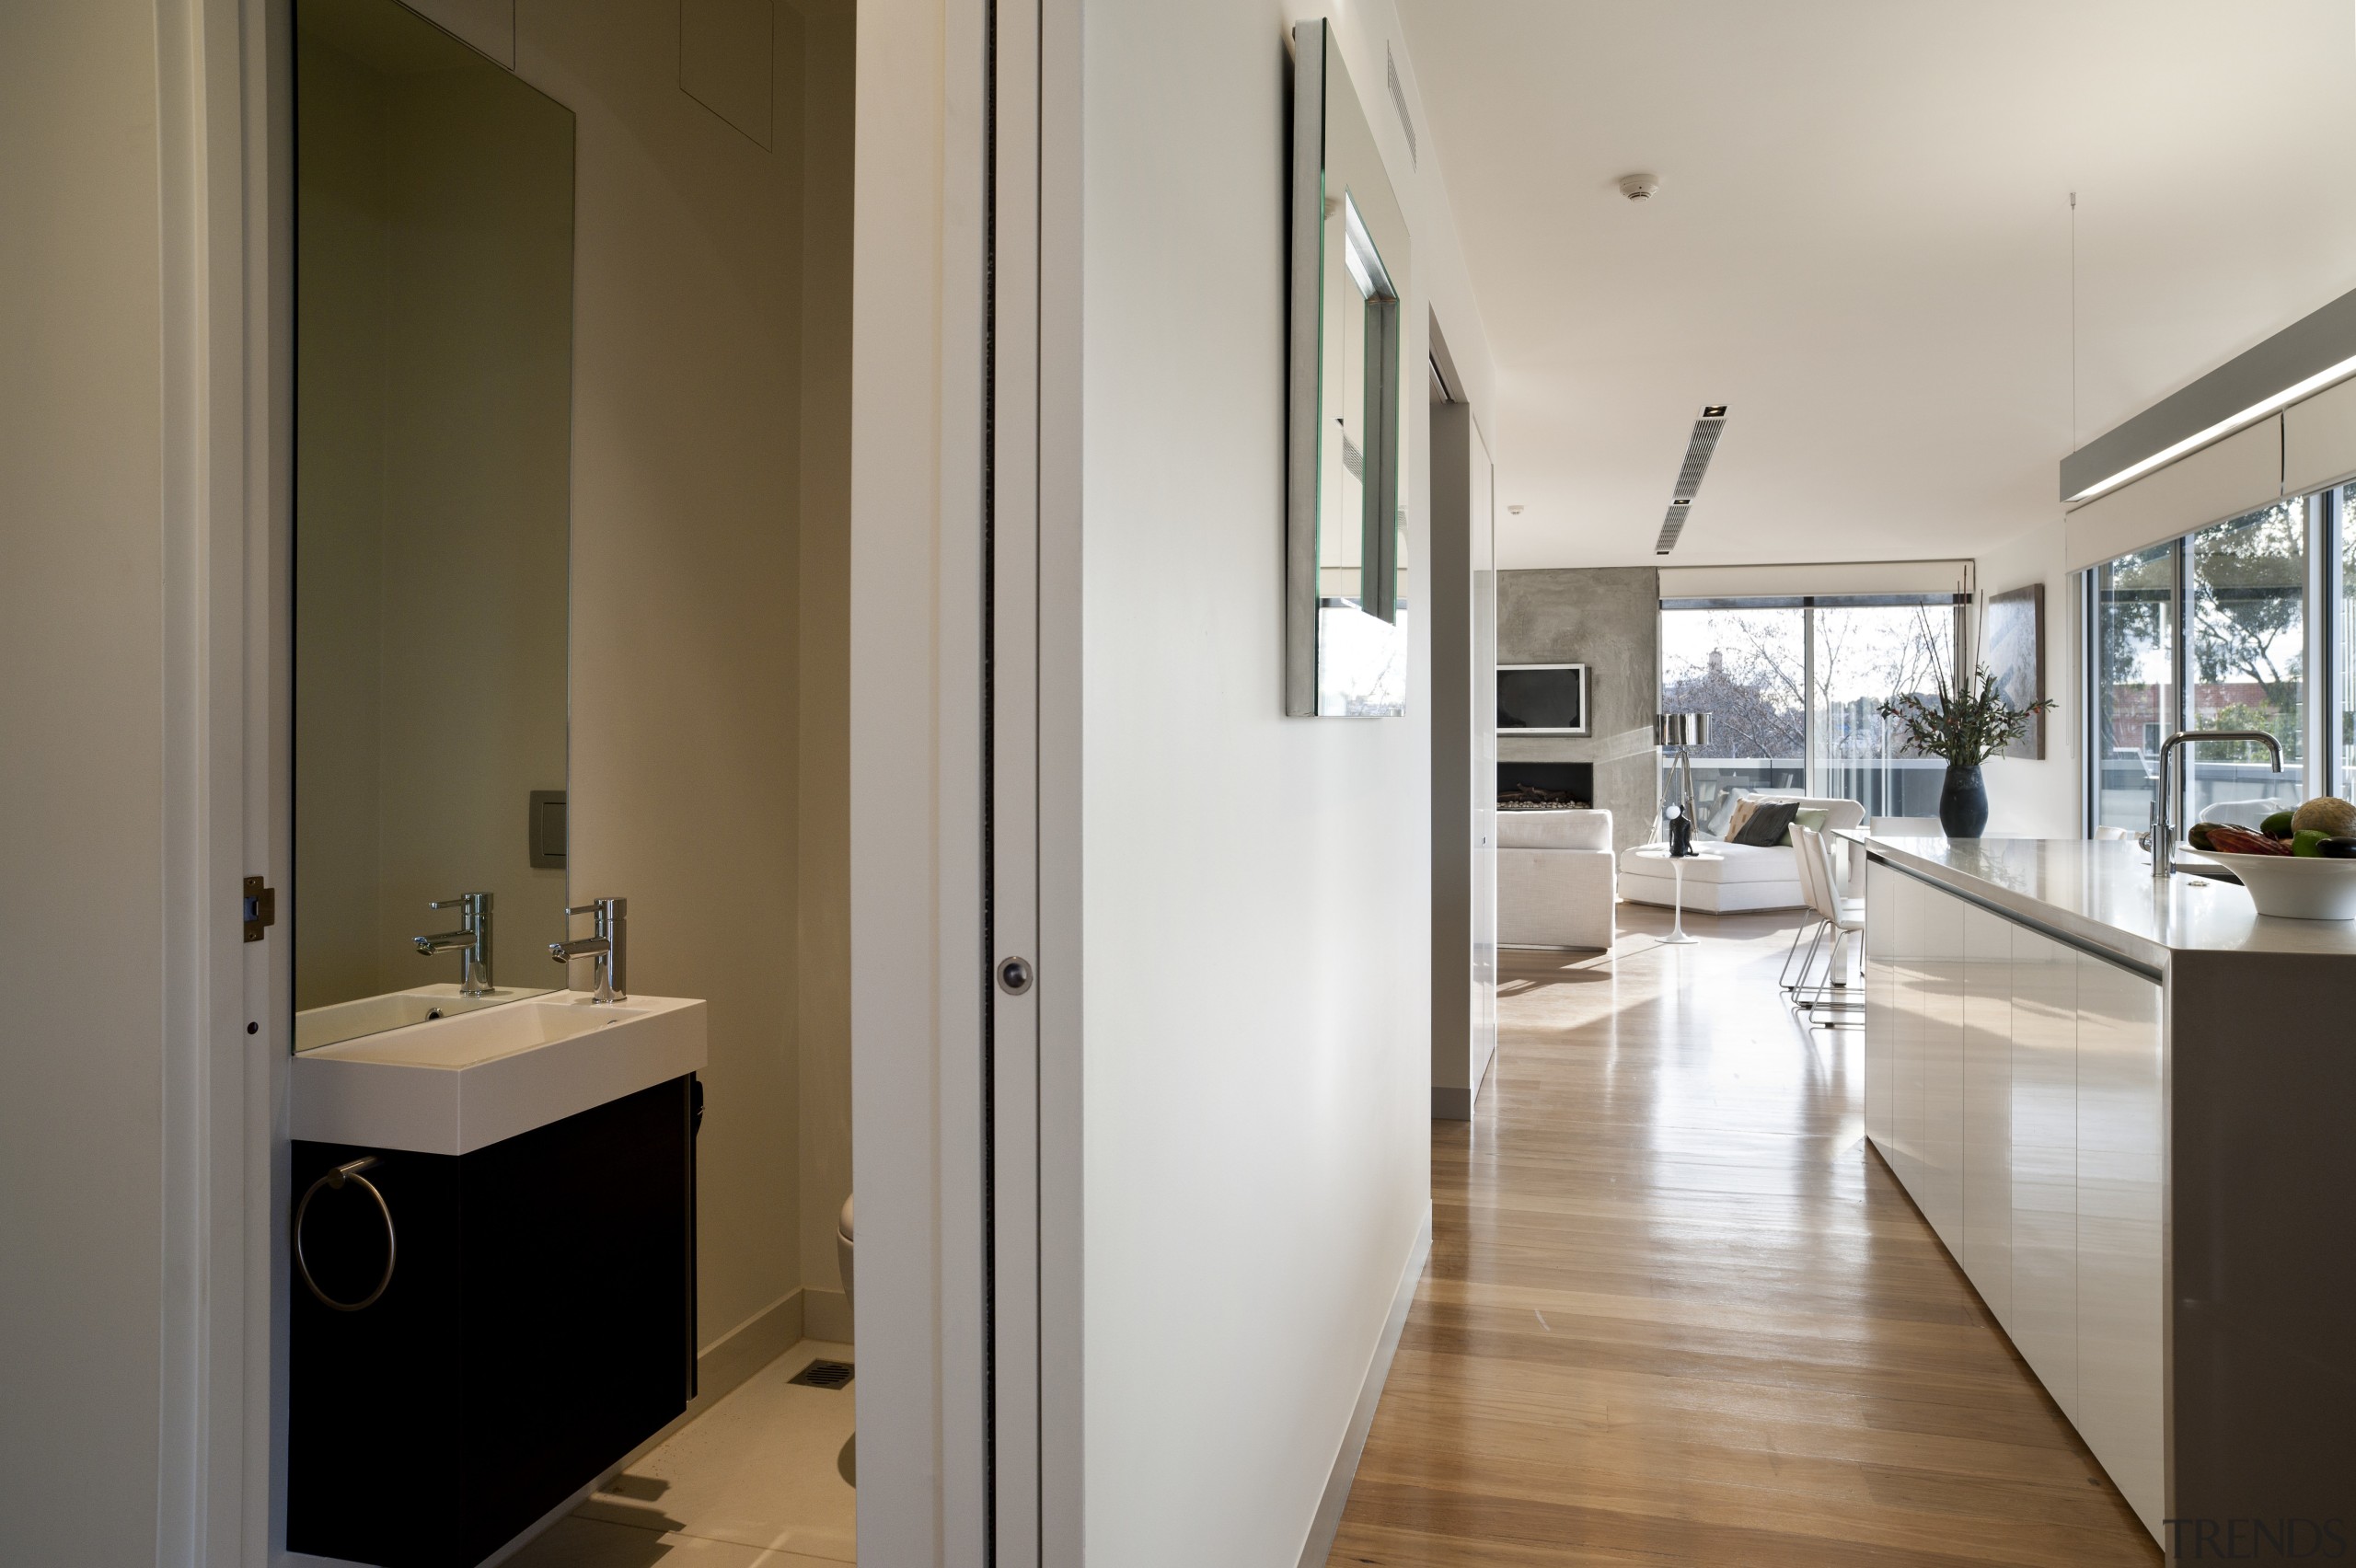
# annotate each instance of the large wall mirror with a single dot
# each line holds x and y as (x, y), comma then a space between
(1345, 633)
(433, 407)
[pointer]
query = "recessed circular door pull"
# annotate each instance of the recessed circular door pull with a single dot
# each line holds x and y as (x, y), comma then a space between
(1014, 976)
(348, 1171)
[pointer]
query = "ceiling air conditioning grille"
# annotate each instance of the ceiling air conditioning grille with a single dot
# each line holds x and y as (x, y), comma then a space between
(1399, 102)
(1699, 449)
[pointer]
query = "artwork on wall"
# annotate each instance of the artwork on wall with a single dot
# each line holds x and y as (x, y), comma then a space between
(1345, 515)
(2013, 634)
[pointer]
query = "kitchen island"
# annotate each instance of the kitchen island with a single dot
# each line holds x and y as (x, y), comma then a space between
(2122, 1105)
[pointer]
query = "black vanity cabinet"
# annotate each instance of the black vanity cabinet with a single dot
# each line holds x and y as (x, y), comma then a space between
(537, 1325)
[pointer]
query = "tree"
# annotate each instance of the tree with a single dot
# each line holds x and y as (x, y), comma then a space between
(2248, 625)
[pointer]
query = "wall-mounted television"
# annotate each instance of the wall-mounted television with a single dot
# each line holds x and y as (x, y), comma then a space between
(1541, 700)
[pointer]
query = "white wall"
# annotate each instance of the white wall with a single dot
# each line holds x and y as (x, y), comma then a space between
(82, 802)
(687, 654)
(1255, 890)
(2040, 798)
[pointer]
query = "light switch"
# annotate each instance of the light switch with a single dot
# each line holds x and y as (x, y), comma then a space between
(548, 829)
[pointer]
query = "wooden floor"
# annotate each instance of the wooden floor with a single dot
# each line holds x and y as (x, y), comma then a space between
(1677, 1311)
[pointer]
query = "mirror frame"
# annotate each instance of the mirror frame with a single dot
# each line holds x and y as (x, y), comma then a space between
(1337, 170)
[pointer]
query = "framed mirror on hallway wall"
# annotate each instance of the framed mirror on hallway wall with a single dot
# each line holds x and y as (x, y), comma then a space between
(1346, 598)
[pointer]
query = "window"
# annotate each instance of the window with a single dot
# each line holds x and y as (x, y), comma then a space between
(1864, 655)
(2212, 631)
(1794, 691)
(2342, 750)
(1747, 669)
(2134, 674)
(2246, 645)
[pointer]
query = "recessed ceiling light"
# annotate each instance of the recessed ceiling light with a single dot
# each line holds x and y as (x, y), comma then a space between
(1713, 411)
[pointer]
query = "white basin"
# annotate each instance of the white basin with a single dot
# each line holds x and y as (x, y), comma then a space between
(458, 1084)
(315, 1027)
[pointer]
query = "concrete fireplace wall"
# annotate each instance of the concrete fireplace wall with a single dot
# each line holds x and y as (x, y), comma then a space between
(1608, 619)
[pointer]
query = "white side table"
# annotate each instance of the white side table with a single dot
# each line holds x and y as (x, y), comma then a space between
(1676, 934)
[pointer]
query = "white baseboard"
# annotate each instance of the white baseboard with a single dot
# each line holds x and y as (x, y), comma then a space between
(1328, 1522)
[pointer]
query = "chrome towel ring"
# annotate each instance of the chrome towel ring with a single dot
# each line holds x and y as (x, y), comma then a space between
(348, 1171)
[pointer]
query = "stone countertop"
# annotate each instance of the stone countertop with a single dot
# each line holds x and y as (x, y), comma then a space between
(2102, 894)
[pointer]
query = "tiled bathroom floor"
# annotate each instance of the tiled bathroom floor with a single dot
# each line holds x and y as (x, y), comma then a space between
(750, 1484)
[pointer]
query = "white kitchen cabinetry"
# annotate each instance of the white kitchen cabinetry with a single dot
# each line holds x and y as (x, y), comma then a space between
(2012, 1084)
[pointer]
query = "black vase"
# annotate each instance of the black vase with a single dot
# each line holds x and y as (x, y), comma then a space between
(1963, 801)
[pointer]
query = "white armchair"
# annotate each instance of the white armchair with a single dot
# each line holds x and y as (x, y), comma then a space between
(1558, 879)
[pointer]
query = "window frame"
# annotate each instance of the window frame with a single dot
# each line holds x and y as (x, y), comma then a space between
(2322, 686)
(1962, 607)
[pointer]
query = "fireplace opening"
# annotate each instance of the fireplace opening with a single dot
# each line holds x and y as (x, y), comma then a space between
(1546, 786)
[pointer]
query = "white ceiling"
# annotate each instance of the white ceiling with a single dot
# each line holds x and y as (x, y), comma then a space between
(1862, 244)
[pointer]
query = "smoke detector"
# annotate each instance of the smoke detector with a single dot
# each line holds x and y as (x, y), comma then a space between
(1639, 187)
(1515, 510)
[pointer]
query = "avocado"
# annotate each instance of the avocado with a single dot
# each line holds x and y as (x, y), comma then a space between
(2199, 836)
(2307, 842)
(2338, 849)
(2278, 826)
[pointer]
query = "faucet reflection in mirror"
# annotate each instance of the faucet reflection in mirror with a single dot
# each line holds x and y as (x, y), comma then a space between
(472, 938)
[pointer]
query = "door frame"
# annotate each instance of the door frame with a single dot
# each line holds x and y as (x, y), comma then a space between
(952, 1284)
(223, 169)
(1032, 696)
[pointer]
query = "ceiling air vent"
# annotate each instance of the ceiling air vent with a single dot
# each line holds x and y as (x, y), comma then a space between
(1689, 475)
(1399, 102)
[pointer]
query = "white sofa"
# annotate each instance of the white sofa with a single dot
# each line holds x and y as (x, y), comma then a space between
(1555, 881)
(1749, 877)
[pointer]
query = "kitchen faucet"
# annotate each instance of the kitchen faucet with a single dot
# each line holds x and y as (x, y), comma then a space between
(609, 948)
(2163, 830)
(473, 936)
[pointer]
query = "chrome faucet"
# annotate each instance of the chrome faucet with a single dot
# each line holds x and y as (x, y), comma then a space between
(2163, 830)
(608, 949)
(473, 936)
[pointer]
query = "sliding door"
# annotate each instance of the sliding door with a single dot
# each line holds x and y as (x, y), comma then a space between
(2133, 665)
(1863, 656)
(1747, 669)
(2246, 653)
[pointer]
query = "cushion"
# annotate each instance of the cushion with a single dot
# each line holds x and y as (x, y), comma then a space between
(1554, 830)
(1767, 825)
(1743, 806)
(1816, 817)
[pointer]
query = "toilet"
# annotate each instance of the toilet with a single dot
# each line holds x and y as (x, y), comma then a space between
(842, 1247)
(846, 1461)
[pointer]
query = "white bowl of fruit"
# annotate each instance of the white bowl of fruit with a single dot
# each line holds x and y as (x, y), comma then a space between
(2300, 865)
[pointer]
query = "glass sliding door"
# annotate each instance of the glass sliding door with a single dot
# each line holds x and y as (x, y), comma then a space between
(2245, 654)
(1864, 655)
(1747, 669)
(2134, 679)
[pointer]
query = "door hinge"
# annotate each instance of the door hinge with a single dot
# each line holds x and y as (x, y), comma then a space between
(262, 909)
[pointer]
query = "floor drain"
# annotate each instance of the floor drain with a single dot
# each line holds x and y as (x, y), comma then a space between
(824, 1375)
